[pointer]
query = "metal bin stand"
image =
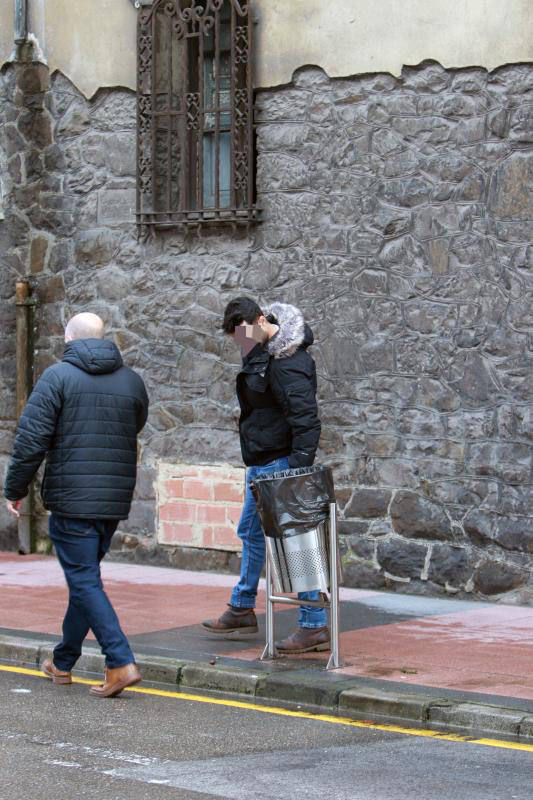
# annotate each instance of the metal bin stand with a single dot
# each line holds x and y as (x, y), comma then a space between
(273, 574)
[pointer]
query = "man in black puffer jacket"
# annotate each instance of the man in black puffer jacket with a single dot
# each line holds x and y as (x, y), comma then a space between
(84, 415)
(279, 429)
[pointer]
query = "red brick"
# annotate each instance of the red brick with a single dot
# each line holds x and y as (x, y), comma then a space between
(211, 512)
(197, 490)
(206, 538)
(225, 536)
(228, 492)
(186, 471)
(216, 473)
(182, 512)
(174, 488)
(233, 515)
(177, 533)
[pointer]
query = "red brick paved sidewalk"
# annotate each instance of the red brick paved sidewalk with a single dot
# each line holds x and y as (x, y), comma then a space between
(448, 644)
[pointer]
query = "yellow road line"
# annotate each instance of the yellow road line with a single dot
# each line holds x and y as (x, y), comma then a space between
(353, 723)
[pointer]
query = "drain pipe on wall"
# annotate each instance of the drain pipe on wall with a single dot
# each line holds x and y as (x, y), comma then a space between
(21, 29)
(24, 307)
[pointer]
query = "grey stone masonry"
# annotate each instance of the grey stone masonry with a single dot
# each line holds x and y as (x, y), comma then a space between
(397, 213)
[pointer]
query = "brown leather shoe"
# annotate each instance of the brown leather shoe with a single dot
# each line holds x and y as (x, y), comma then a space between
(305, 640)
(116, 680)
(57, 675)
(235, 623)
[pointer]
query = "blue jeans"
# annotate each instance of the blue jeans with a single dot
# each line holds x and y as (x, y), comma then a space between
(253, 554)
(80, 546)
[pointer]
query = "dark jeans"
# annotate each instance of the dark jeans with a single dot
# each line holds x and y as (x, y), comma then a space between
(80, 546)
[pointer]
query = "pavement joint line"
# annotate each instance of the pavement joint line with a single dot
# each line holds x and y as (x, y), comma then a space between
(420, 732)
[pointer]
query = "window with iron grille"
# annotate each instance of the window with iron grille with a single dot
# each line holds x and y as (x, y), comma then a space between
(195, 113)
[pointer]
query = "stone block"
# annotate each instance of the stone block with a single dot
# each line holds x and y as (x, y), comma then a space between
(401, 558)
(475, 717)
(13, 141)
(526, 729)
(95, 247)
(521, 124)
(309, 690)
(362, 575)
(281, 172)
(406, 192)
(449, 565)
(510, 196)
(51, 289)
(142, 518)
(435, 394)
(33, 79)
(36, 127)
(116, 206)
(75, 120)
(360, 547)
(115, 110)
(366, 702)
(222, 679)
(145, 486)
(510, 532)
(368, 503)
(509, 461)
(159, 669)
(497, 577)
(38, 253)
(120, 149)
(414, 516)
(24, 652)
(405, 255)
(201, 559)
(113, 284)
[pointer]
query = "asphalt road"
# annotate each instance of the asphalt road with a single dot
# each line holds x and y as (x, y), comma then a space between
(57, 742)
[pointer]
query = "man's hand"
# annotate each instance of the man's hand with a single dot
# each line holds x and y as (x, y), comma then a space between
(13, 507)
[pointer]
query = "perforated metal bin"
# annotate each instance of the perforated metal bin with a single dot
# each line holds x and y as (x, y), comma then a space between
(300, 563)
(294, 509)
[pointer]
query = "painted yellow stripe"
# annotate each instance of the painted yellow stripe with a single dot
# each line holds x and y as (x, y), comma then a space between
(446, 737)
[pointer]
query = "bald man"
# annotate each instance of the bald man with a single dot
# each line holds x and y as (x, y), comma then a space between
(84, 416)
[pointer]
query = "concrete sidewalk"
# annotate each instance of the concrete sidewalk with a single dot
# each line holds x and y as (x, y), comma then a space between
(441, 663)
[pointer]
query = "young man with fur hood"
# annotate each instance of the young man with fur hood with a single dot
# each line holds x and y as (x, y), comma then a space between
(279, 429)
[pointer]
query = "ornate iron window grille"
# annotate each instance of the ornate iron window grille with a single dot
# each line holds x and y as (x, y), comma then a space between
(195, 148)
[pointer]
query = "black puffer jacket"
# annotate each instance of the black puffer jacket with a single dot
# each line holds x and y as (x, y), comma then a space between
(276, 388)
(84, 414)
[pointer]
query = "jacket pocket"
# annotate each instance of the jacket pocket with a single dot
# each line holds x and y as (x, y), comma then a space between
(266, 429)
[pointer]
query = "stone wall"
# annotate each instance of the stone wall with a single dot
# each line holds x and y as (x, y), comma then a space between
(397, 214)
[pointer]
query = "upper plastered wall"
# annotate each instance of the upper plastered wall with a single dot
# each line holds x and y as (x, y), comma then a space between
(94, 44)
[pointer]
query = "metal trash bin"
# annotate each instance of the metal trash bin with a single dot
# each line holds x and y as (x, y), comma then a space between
(294, 508)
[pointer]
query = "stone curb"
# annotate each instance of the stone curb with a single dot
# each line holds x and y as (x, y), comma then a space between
(318, 693)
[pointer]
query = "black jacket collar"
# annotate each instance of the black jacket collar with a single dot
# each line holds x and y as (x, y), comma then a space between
(257, 360)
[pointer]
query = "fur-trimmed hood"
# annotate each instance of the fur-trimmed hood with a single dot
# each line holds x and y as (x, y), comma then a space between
(293, 330)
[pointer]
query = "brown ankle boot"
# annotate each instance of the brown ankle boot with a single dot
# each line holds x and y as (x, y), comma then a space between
(305, 640)
(58, 676)
(116, 680)
(235, 623)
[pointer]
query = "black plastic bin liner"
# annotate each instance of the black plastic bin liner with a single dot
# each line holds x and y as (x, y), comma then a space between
(293, 501)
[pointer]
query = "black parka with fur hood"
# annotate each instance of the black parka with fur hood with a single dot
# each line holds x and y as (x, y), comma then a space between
(276, 388)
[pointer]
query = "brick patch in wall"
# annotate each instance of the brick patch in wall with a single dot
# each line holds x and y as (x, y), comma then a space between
(199, 506)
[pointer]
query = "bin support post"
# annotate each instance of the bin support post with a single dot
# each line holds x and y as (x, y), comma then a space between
(335, 658)
(270, 649)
